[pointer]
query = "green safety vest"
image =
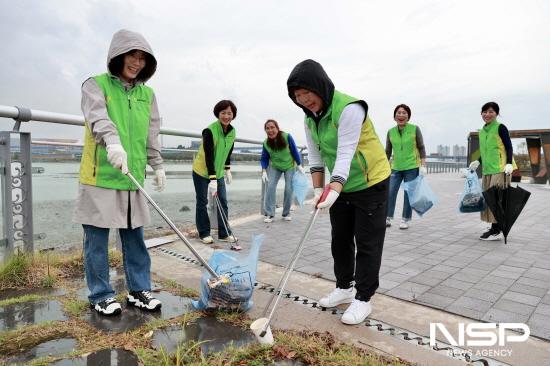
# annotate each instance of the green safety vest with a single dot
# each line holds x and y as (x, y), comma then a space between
(222, 146)
(281, 159)
(130, 111)
(493, 153)
(405, 151)
(369, 164)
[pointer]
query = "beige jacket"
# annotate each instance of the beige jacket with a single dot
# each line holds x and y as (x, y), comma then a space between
(111, 208)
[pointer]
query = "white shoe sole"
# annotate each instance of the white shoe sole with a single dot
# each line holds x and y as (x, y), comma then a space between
(343, 301)
(353, 322)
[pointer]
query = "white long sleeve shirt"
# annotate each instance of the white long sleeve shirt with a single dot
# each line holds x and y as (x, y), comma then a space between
(349, 131)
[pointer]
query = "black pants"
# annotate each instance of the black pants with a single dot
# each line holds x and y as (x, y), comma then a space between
(358, 220)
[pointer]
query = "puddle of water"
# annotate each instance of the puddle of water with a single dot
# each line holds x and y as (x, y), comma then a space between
(32, 312)
(8, 294)
(131, 318)
(106, 357)
(55, 347)
(217, 335)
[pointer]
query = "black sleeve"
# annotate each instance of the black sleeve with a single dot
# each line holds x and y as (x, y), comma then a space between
(420, 143)
(208, 147)
(228, 160)
(388, 146)
(505, 137)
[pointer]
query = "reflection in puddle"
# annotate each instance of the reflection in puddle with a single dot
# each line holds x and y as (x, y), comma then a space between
(32, 312)
(216, 335)
(106, 357)
(10, 293)
(131, 318)
(55, 347)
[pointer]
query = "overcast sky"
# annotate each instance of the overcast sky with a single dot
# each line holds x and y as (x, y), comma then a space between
(442, 58)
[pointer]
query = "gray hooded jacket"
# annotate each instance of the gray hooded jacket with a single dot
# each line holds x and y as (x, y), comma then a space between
(111, 208)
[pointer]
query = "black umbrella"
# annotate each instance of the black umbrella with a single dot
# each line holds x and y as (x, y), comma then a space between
(506, 205)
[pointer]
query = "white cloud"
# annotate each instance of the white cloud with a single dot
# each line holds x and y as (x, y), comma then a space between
(444, 59)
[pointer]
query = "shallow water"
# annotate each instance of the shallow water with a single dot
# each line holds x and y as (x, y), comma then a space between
(32, 312)
(215, 334)
(106, 357)
(55, 347)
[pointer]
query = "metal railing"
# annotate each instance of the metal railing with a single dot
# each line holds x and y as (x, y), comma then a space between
(16, 172)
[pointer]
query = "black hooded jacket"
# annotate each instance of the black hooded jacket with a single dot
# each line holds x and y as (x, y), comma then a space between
(310, 75)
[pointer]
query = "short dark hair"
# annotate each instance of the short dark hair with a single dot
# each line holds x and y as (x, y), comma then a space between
(223, 104)
(405, 107)
(488, 105)
(117, 63)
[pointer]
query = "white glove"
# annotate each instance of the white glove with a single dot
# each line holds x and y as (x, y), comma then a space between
(474, 165)
(423, 171)
(265, 179)
(329, 200)
(213, 186)
(508, 169)
(317, 193)
(160, 180)
(301, 169)
(117, 157)
(228, 176)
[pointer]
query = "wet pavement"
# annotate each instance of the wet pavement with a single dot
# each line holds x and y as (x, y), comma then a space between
(215, 334)
(32, 312)
(55, 347)
(106, 357)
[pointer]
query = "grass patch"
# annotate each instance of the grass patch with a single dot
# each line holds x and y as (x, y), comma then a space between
(15, 271)
(19, 299)
(27, 337)
(179, 290)
(75, 307)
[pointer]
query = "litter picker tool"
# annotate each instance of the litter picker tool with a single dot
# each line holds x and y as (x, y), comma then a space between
(260, 327)
(225, 221)
(216, 279)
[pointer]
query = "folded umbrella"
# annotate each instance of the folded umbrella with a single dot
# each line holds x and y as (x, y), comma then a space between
(506, 204)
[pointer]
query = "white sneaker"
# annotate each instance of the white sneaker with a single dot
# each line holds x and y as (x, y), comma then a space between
(287, 218)
(404, 225)
(388, 221)
(268, 219)
(338, 296)
(357, 312)
(207, 240)
(230, 239)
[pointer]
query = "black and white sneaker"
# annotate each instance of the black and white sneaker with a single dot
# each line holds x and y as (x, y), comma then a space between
(143, 300)
(491, 235)
(107, 307)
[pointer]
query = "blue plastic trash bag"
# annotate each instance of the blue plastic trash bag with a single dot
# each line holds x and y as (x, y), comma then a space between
(241, 270)
(421, 196)
(300, 186)
(472, 197)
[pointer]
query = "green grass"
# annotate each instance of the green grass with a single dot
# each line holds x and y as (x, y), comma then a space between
(14, 272)
(177, 289)
(19, 299)
(75, 307)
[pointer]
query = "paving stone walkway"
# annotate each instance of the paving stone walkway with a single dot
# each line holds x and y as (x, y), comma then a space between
(439, 261)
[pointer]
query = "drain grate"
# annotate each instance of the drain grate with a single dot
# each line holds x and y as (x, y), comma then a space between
(408, 336)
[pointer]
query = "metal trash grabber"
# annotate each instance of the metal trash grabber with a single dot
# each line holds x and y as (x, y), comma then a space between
(291, 264)
(213, 282)
(225, 221)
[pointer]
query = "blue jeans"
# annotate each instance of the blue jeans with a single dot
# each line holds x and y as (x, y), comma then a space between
(201, 211)
(274, 175)
(397, 176)
(136, 260)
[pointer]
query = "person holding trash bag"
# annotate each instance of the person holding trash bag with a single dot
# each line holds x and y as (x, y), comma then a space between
(280, 149)
(409, 160)
(211, 165)
(341, 137)
(496, 161)
(121, 136)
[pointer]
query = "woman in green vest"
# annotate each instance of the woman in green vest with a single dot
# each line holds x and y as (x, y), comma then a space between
(497, 162)
(121, 136)
(341, 137)
(279, 149)
(211, 165)
(409, 160)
